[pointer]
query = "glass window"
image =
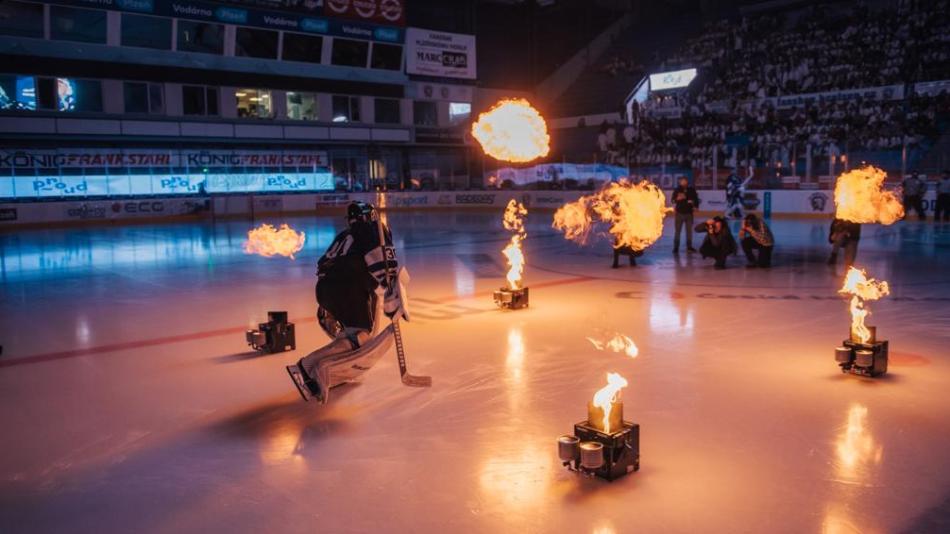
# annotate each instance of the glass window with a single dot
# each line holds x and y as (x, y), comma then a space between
(21, 19)
(459, 112)
(425, 113)
(141, 97)
(349, 53)
(299, 47)
(17, 92)
(387, 111)
(201, 37)
(74, 24)
(302, 106)
(199, 100)
(386, 56)
(254, 103)
(250, 42)
(74, 95)
(46, 93)
(346, 108)
(146, 32)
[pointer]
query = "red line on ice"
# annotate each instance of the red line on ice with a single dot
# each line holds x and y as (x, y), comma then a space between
(102, 349)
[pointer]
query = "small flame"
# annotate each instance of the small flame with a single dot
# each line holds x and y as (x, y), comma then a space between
(606, 396)
(512, 130)
(861, 288)
(514, 222)
(860, 197)
(618, 343)
(634, 211)
(268, 241)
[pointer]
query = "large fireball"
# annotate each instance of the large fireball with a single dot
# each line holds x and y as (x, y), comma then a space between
(267, 241)
(512, 130)
(860, 197)
(633, 211)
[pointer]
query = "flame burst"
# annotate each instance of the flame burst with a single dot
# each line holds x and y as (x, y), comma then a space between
(268, 241)
(513, 131)
(860, 197)
(861, 288)
(514, 222)
(606, 396)
(618, 343)
(634, 211)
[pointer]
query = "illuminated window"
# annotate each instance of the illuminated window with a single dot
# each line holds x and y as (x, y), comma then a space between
(17, 92)
(459, 112)
(254, 103)
(302, 106)
(68, 94)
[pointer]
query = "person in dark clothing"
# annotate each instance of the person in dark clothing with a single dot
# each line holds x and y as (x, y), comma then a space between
(943, 198)
(685, 201)
(844, 235)
(625, 251)
(734, 189)
(755, 235)
(719, 243)
(914, 190)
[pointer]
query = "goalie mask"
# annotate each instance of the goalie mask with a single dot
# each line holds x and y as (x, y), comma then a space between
(360, 211)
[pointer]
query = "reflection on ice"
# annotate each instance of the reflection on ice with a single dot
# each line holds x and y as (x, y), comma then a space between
(667, 315)
(857, 453)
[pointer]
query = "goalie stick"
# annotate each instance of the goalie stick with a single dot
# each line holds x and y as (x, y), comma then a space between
(407, 379)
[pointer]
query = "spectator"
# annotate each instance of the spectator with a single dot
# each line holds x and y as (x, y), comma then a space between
(943, 198)
(914, 189)
(685, 201)
(844, 235)
(719, 243)
(755, 235)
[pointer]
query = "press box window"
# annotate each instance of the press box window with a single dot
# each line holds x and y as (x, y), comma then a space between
(387, 111)
(459, 112)
(67, 94)
(346, 109)
(143, 98)
(425, 113)
(299, 47)
(200, 37)
(302, 106)
(199, 100)
(17, 92)
(386, 56)
(254, 104)
(21, 19)
(349, 53)
(250, 42)
(74, 24)
(146, 32)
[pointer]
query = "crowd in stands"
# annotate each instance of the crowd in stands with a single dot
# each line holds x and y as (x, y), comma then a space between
(743, 64)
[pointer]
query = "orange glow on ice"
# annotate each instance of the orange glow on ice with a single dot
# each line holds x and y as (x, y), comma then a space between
(512, 130)
(267, 241)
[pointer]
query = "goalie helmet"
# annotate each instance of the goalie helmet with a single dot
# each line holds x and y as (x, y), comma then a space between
(360, 211)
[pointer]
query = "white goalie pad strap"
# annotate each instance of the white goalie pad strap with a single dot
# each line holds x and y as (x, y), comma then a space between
(342, 367)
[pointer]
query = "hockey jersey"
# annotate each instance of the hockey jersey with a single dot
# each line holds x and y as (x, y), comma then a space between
(350, 272)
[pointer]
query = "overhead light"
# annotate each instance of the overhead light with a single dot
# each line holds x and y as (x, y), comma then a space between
(254, 99)
(339, 118)
(240, 94)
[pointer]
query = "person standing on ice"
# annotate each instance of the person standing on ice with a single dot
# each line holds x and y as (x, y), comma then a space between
(354, 276)
(734, 189)
(685, 200)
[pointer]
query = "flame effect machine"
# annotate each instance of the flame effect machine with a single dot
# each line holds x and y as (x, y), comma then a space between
(276, 335)
(596, 451)
(512, 299)
(867, 359)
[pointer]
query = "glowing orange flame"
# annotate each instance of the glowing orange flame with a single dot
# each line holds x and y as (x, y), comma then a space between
(618, 343)
(860, 197)
(606, 396)
(268, 241)
(514, 222)
(512, 130)
(634, 211)
(861, 288)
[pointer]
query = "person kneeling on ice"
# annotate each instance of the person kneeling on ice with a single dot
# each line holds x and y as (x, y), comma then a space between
(756, 235)
(718, 243)
(356, 274)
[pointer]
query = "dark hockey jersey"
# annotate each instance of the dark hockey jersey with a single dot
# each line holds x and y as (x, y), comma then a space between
(350, 271)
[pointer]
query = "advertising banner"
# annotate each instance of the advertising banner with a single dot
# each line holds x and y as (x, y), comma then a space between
(78, 158)
(392, 12)
(442, 54)
(887, 92)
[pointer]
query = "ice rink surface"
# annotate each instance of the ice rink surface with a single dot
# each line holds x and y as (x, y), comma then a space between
(129, 401)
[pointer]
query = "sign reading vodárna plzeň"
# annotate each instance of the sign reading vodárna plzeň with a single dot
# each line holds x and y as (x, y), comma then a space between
(443, 54)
